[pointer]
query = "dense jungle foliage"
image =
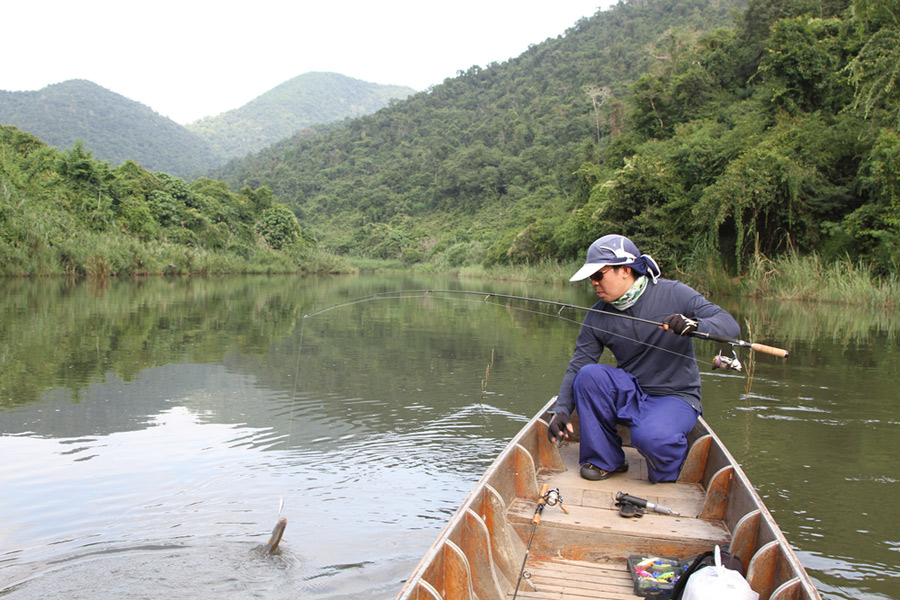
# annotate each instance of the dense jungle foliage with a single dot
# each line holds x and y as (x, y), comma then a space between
(62, 212)
(703, 130)
(709, 132)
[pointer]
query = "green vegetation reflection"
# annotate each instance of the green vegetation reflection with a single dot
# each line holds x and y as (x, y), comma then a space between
(63, 334)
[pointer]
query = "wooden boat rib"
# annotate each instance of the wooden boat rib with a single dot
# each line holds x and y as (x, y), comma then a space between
(583, 554)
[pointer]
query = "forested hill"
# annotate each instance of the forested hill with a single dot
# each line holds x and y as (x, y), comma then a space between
(706, 130)
(300, 102)
(480, 156)
(115, 128)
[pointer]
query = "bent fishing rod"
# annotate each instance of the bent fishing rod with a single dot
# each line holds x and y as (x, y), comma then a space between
(713, 337)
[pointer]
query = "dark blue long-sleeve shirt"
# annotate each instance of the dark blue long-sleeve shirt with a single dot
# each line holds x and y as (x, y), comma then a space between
(663, 362)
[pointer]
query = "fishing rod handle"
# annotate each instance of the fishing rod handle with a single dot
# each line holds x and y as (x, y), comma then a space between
(542, 500)
(736, 342)
(770, 350)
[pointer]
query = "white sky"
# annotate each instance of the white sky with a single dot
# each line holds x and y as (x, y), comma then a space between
(187, 59)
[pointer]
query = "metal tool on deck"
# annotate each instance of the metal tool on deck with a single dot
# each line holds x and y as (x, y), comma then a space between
(622, 498)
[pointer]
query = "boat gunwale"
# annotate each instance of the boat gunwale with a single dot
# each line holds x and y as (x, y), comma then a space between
(787, 551)
(467, 503)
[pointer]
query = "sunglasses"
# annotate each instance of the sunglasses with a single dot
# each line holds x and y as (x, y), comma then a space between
(599, 274)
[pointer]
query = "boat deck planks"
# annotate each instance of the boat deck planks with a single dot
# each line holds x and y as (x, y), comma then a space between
(558, 579)
(594, 518)
(684, 498)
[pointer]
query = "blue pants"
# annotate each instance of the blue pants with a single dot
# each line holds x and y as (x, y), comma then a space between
(659, 425)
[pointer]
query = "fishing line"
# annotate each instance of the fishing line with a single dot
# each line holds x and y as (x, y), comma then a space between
(280, 525)
(487, 296)
(291, 417)
(560, 316)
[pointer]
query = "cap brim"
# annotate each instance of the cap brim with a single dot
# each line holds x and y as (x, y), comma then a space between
(587, 270)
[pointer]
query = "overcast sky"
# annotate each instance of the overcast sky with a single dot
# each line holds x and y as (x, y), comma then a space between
(187, 59)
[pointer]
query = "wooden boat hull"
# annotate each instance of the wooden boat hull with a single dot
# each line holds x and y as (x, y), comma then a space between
(479, 554)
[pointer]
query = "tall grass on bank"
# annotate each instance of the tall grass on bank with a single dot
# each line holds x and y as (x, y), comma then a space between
(99, 255)
(795, 277)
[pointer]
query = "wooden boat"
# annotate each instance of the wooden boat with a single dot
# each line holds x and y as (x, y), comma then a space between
(583, 554)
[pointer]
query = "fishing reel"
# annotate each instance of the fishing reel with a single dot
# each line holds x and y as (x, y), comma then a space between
(552, 497)
(731, 363)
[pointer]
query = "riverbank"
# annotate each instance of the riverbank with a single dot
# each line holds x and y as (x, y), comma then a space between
(100, 255)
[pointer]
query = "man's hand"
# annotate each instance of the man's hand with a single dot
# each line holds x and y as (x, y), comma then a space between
(560, 427)
(679, 324)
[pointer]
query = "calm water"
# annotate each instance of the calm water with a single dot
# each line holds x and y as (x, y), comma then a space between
(151, 430)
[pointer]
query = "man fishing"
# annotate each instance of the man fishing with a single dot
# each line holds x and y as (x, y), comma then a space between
(655, 387)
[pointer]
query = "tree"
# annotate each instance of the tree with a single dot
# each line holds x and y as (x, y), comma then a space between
(278, 227)
(875, 226)
(875, 71)
(798, 69)
(762, 202)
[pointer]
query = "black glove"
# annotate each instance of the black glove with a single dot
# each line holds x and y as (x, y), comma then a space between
(680, 324)
(559, 427)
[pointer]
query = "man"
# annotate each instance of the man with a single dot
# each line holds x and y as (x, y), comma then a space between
(655, 387)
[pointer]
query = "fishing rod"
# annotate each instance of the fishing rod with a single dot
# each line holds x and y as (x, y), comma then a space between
(547, 497)
(713, 337)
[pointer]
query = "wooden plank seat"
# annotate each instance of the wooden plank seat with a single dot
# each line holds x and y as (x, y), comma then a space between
(575, 580)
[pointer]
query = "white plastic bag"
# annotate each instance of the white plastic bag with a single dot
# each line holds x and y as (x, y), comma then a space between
(718, 583)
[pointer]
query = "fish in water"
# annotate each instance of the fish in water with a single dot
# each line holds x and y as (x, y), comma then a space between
(275, 539)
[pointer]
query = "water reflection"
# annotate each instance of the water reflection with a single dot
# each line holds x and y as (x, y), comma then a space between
(157, 424)
(817, 435)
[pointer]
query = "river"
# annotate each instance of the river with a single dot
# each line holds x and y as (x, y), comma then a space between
(152, 431)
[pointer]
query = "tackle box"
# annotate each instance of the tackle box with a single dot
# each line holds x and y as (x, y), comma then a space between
(655, 574)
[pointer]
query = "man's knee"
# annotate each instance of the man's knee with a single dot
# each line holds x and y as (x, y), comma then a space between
(595, 376)
(655, 439)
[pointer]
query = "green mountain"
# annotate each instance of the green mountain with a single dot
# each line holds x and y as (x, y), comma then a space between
(305, 100)
(113, 127)
(116, 129)
(710, 131)
(464, 168)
